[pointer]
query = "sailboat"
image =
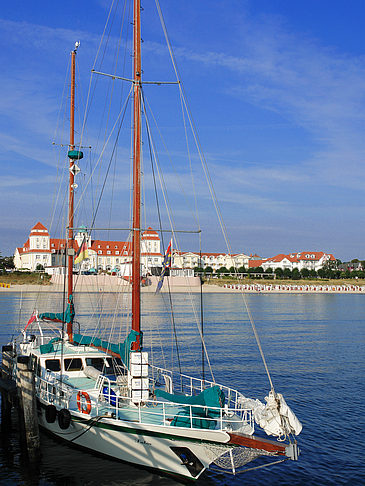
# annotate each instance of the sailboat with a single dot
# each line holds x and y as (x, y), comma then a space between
(109, 397)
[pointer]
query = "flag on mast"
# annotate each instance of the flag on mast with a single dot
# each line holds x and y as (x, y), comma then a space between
(82, 252)
(165, 265)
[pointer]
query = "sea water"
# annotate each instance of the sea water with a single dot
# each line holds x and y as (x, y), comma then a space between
(315, 350)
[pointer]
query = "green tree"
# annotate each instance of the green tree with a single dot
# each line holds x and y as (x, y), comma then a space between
(313, 273)
(242, 270)
(287, 273)
(279, 272)
(208, 270)
(222, 270)
(305, 272)
(232, 270)
(324, 273)
(295, 275)
(6, 263)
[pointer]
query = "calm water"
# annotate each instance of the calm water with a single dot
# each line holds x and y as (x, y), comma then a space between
(315, 349)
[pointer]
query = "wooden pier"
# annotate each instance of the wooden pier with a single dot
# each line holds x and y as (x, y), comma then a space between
(20, 393)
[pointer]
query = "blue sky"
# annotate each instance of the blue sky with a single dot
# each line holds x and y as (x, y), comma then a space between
(277, 90)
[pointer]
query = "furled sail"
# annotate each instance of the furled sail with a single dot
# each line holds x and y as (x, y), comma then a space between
(122, 350)
(67, 316)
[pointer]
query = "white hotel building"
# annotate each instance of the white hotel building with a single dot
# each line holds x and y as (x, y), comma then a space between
(112, 256)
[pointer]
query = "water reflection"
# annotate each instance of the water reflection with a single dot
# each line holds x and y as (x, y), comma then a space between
(315, 349)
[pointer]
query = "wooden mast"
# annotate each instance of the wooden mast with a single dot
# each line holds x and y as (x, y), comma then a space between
(136, 238)
(70, 238)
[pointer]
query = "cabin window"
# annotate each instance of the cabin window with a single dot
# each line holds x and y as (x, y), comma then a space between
(97, 363)
(53, 365)
(73, 364)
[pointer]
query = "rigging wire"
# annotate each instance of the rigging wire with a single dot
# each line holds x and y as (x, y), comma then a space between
(162, 235)
(209, 181)
(164, 193)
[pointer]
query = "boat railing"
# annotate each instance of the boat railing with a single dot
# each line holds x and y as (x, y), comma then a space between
(190, 385)
(107, 401)
(53, 391)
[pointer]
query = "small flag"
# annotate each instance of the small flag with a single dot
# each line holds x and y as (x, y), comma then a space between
(165, 264)
(33, 317)
(82, 252)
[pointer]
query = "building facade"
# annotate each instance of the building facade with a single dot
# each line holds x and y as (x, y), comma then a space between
(214, 260)
(311, 260)
(40, 250)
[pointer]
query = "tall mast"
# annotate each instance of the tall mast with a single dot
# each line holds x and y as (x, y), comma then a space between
(136, 239)
(70, 237)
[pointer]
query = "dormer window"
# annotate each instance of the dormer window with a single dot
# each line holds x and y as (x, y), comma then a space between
(100, 252)
(108, 252)
(107, 246)
(117, 252)
(99, 246)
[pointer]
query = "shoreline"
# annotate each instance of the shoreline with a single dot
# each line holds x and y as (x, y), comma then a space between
(207, 289)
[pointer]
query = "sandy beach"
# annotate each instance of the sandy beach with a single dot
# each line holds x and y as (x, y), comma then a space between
(207, 288)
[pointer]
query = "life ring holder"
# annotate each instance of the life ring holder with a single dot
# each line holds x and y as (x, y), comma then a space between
(83, 402)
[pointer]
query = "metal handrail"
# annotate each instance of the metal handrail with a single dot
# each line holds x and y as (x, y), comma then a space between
(58, 393)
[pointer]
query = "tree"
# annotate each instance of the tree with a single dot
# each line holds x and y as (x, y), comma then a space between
(198, 270)
(287, 273)
(6, 263)
(233, 270)
(322, 273)
(295, 275)
(313, 273)
(222, 270)
(279, 272)
(208, 270)
(242, 270)
(39, 267)
(305, 272)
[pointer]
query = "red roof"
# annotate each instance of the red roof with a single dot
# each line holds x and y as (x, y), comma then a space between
(39, 226)
(150, 234)
(112, 246)
(255, 263)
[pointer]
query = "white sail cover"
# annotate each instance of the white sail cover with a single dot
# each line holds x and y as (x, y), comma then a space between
(276, 418)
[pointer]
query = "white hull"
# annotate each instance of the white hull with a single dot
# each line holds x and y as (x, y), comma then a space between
(135, 444)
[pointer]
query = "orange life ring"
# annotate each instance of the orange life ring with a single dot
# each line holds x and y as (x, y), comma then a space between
(80, 402)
